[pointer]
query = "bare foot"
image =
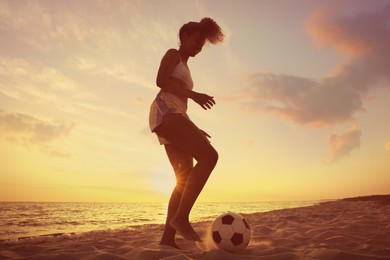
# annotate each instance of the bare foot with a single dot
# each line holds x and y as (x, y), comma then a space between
(169, 243)
(185, 229)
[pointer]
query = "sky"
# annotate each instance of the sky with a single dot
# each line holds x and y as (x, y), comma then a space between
(301, 86)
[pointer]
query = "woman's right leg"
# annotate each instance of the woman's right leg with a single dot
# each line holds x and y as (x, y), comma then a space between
(184, 134)
(182, 164)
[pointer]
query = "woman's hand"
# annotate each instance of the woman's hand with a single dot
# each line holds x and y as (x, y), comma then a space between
(205, 101)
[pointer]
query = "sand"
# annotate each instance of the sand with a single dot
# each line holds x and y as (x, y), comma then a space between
(357, 228)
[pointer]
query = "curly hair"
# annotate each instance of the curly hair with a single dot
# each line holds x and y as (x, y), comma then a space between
(207, 27)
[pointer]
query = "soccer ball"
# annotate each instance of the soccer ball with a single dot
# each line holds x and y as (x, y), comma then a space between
(231, 232)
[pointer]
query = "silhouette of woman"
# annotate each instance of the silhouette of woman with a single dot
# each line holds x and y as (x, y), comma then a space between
(182, 139)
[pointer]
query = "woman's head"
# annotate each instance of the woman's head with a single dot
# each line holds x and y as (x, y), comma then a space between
(194, 35)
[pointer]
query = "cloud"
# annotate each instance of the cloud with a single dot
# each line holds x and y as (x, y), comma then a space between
(343, 144)
(45, 26)
(304, 101)
(337, 97)
(106, 40)
(32, 83)
(363, 37)
(361, 34)
(31, 131)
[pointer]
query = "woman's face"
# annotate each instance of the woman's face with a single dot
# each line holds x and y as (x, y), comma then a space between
(193, 43)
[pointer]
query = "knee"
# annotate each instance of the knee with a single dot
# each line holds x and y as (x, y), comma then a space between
(210, 156)
(214, 156)
(180, 186)
(182, 169)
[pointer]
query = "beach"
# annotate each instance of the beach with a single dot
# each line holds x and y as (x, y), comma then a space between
(355, 228)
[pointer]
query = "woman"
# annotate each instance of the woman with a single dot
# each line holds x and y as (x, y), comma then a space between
(182, 139)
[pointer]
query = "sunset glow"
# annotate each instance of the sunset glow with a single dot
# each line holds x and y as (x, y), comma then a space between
(302, 91)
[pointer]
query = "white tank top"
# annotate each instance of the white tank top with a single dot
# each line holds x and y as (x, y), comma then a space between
(182, 72)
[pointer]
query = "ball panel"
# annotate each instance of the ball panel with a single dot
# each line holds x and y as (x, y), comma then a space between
(247, 236)
(236, 215)
(217, 237)
(226, 231)
(237, 239)
(227, 219)
(238, 226)
(227, 245)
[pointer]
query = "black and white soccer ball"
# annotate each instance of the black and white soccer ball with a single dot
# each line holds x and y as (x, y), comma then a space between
(231, 232)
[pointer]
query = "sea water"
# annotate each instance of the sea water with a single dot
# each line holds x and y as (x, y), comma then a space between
(31, 219)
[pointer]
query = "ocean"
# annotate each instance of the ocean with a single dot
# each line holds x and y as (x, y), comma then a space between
(20, 220)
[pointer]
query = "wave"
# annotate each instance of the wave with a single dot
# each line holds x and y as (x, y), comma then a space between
(34, 219)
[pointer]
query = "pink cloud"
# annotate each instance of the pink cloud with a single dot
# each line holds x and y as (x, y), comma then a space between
(336, 98)
(305, 101)
(342, 34)
(343, 144)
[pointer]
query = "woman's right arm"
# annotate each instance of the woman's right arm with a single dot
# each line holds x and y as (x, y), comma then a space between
(164, 79)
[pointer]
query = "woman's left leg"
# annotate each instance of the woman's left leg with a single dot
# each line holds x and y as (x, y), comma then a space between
(185, 135)
(182, 164)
